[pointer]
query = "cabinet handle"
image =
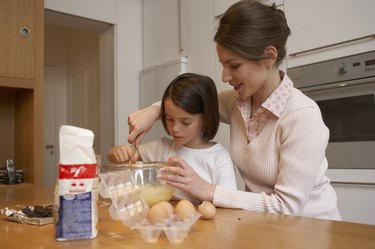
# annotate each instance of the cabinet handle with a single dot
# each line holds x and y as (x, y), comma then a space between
(354, 183)
(49, 146)
(332, 45)
(25, 31)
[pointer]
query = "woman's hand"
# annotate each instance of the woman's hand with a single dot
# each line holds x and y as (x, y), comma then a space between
(182, 176)
(140, 122)
(123, 154)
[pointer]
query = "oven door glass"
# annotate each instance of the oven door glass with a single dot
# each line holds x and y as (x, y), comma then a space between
(349, 119)
(349, 113)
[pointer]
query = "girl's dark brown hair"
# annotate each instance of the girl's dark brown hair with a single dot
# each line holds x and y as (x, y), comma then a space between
(248, 27)
(195, 94)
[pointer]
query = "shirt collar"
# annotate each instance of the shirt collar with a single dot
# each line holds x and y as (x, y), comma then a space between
(277, 101)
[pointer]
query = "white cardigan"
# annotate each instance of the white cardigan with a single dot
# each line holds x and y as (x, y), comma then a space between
(284, 166)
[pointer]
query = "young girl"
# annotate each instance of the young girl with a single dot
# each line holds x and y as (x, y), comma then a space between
(189, 113)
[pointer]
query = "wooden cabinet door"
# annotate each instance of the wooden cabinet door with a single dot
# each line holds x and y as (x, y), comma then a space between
(21, 81)
(17, 25)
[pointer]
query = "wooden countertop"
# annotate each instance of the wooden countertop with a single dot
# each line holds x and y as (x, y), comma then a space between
(231, 228)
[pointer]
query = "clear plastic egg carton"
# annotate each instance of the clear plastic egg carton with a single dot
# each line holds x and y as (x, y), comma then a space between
(127, 202)
(129, 207)
(174, 228)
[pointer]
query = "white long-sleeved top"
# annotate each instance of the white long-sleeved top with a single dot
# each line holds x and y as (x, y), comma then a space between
(213, 164)
(284, 166)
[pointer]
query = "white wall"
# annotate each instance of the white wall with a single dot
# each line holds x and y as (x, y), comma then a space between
(129, 64)
(126, 15)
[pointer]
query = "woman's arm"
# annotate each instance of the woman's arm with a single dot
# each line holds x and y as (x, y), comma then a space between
(141, 121)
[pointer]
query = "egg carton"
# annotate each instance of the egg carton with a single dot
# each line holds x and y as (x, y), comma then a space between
(127, 202)
(129, 206)
(174, 228)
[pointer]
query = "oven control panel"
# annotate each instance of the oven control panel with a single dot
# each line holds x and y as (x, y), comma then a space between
(340, 70)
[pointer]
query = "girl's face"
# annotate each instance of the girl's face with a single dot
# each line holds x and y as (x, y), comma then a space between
(185, 128)
(247, 77)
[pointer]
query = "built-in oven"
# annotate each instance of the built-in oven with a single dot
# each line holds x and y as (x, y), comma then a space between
(344, 89)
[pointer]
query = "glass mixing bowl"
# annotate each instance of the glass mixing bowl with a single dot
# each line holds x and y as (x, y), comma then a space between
(146, 176)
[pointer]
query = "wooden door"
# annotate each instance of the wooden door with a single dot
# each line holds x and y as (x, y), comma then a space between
(50, 131)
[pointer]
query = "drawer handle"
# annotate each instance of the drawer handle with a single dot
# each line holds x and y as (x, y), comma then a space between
(332, 45)
(25, 31)
(353, 183)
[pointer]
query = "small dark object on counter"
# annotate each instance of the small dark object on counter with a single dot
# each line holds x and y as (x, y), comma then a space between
(4, 178)
(38, 211)
(11, 172)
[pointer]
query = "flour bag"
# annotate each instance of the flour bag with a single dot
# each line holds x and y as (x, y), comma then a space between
(76, 215)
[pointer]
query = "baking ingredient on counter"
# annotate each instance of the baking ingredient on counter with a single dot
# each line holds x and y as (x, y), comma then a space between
(157, 214)
(153, 194)
(76, 190)
(127, 203)
(168, 206)
(207, 210)
(34, 215)
(185, 209)
(146, 176)
(38, 211)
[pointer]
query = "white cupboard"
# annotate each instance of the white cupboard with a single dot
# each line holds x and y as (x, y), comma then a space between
(161, 31)
(323, 30)
(356, 202)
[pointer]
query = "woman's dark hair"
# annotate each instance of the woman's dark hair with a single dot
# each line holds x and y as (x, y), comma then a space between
(248, 27)
(195, 94)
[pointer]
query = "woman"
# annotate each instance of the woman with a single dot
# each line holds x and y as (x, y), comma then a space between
(278, 138)
(189, 113)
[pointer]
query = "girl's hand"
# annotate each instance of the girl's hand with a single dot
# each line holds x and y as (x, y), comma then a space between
(123, 154)
(181, 175)
(140, 122)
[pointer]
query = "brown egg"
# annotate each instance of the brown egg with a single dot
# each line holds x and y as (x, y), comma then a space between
(207, 210)
(185, 209)
(157, 214)
(168, 206)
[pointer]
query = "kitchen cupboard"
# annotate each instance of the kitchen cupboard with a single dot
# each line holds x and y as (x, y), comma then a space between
(161, 31)
(322, 30)
(356, 202)
(21, 86)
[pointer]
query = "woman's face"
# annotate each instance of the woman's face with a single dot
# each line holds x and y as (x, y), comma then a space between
(247, 77)
(185, 128)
